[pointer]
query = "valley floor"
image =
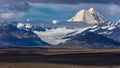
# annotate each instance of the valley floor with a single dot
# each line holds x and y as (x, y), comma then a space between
(49, 65)
(37, 57)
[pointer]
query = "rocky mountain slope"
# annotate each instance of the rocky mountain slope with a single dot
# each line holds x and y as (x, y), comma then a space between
(10, 35)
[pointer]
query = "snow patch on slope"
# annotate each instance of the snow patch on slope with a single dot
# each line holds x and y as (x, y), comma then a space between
(22, 26)
(56, 36)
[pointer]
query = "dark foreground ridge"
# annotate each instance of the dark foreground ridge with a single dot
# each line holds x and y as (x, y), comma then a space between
(77, 57)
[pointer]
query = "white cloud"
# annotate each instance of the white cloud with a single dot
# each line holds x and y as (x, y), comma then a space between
(10, 15)
(54, 6)
(113, 9)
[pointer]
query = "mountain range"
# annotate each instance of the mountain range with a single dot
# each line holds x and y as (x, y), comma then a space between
(108, 29)
(10, 35)
(87, 29)
(87, 41)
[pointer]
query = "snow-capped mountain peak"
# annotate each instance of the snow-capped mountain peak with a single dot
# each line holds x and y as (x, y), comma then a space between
(28, 25)
(91, 10)
(20, 25)
(90, 16)
(79, 16)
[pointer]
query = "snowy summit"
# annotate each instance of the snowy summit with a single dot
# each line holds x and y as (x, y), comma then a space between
(90, 16)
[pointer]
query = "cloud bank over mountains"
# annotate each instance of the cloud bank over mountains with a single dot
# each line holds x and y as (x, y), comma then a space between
(114, 9)
(65, 1)
(10, 9)
(10, 15)
(20, 5)
(77, 1)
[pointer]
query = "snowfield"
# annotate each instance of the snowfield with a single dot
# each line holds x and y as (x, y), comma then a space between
(56, 36)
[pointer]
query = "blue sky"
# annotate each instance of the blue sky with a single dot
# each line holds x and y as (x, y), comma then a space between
(60, 10)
